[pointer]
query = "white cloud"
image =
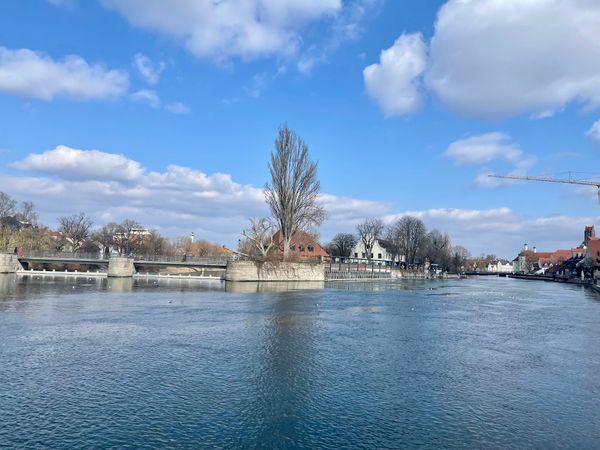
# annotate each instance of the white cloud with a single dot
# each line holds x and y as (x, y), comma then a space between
(496, 59)
(74, 164)
(485, 148)
(148, 71)
(394, 83)
(502, 231)
(176, 200)
(502, 58)
(223, 29)
(177, 108)
(594, 132)
(180, 199)
(346, 26)
(32, 74)
(148, 96)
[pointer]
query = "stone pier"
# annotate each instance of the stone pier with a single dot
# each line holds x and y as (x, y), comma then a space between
(120, 267)
(9, 263)
(274, 271)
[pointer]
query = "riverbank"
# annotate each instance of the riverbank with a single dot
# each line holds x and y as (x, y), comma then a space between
(554, 279)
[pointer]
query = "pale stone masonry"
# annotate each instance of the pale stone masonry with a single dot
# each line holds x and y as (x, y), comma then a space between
(274, 271)
(120, 267)
(9, 263)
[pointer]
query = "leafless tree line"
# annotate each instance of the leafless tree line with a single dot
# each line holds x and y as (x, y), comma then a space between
(76, 233)
(406, 238)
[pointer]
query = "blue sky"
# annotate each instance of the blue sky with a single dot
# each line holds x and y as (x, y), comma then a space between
(166, 112)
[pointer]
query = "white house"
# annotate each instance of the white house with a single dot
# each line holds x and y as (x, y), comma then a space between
(381, 252)
(500, 266)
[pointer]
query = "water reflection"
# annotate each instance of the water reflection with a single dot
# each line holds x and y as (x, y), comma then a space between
(120, 285)
(272, 286)
(285, 384)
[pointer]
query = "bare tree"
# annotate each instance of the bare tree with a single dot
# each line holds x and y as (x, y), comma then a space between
(439, 248)
(28, 213)
(106, 236)
(459, 258)
(342, 244)
(76, 229)
(7, 205)
(260, 233)
(293, 192)
(245, 246)
(369, 232)
(128, 237)
(409, 234)
(153, 244)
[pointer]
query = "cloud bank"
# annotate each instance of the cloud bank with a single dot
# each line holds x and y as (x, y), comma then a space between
(485, 148)
(235, 28)
(497, 59)
(112, 187)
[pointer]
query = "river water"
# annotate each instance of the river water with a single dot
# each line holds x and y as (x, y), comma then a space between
(477, 363)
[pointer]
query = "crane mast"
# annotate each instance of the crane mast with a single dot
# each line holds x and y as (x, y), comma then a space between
(550, 180)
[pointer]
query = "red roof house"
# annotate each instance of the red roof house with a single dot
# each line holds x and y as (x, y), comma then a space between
(302, 245)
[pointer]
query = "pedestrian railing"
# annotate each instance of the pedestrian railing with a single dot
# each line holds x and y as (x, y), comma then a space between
(45, 254)
(208, 260)
(180, 259)
(357, 275)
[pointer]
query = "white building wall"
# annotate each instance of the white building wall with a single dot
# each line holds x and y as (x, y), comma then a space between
(378, 252)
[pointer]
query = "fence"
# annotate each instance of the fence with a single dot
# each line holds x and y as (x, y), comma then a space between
(357, 269)
(357, 275)
(164, 259)
(184, 259)
(62, 255)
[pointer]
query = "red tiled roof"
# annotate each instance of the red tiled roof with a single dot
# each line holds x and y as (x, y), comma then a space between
(301, 243)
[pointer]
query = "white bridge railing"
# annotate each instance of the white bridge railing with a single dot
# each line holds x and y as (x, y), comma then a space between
(98, 256)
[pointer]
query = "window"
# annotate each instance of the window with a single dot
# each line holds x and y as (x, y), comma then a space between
(301, 248)
(356, 255)
(378, 255)
(311, 248)
(371, 255)
(292, 247)
(363, 254)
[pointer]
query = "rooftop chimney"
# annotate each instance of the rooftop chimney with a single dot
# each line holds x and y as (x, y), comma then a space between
(525, 247)
(534, 250)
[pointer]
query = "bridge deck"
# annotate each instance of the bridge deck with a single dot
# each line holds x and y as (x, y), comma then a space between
(166, 261)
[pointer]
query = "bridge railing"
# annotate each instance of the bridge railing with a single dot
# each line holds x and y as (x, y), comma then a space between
(45, 254)
(216, 260)
(62, 255)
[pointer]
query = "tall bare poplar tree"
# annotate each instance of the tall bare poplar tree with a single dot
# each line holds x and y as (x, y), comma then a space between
(294, 188)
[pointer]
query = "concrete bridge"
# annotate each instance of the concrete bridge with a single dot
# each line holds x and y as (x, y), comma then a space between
(116, 265)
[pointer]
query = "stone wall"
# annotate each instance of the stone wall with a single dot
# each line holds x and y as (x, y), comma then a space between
(274, 271)
(9, 263)
(120, 267)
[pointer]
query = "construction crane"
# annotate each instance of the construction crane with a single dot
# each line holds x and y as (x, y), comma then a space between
(551, 180)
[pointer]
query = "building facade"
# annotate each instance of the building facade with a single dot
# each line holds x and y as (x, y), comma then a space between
(381, 252)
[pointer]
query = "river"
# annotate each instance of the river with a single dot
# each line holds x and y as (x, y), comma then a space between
(476, 363)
